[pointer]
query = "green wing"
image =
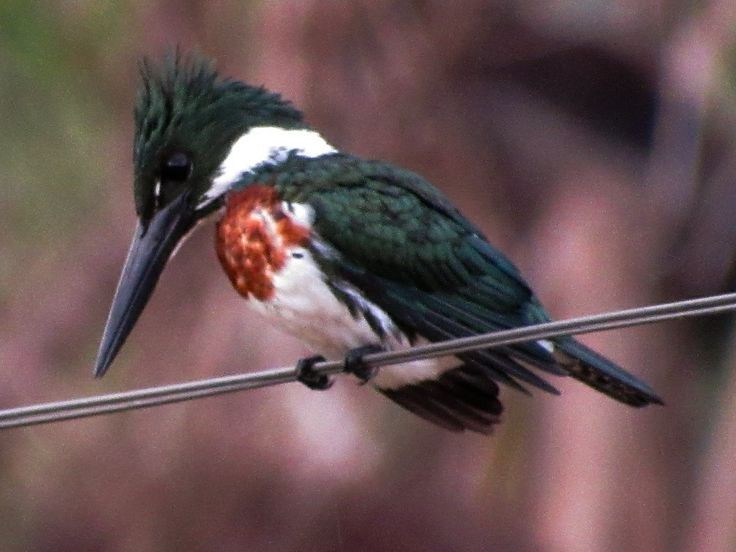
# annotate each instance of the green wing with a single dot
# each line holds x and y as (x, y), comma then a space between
(400, 241)
(400, 227)
(391, 235)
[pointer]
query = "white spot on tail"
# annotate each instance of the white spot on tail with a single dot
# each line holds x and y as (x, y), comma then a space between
(546, 344)
(262, 146)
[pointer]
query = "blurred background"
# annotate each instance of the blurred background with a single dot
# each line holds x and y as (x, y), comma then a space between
(592, 141)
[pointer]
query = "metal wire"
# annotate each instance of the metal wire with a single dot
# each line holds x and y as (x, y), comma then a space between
(154, 396)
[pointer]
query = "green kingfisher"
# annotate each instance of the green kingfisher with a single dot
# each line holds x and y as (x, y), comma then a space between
(349, 255)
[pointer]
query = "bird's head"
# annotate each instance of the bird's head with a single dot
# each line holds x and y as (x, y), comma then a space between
(196, 136)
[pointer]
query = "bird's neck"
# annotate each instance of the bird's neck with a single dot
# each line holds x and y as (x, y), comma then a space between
(265, 145)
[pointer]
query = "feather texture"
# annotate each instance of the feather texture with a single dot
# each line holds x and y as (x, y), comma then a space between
(394, 238)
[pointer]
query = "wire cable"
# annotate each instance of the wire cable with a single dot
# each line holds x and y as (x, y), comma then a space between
(153, 396)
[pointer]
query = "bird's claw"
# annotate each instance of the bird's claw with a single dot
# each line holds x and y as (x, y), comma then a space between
(355, 364)
(306, 374)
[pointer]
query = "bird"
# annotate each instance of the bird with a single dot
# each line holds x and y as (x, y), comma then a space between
(348, 254)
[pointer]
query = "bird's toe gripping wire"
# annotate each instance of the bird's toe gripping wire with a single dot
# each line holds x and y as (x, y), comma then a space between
(355, 363)
(306, 374)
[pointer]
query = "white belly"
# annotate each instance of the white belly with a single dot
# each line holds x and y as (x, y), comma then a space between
(305, 307)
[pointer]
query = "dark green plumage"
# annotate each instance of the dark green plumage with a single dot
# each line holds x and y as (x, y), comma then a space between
(402, 243)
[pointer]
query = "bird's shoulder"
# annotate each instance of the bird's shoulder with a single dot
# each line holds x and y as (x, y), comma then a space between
(391, 223)
(380, 183)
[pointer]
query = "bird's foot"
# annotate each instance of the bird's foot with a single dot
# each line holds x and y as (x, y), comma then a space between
(307, 375)
(355, 364)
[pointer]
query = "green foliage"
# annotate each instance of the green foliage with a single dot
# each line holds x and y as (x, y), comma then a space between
(53, 146)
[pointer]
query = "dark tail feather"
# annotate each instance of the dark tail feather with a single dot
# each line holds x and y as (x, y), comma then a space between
(603, 375)
(460, 399)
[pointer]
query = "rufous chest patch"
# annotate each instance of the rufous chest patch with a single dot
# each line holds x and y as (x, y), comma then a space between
(254, 238)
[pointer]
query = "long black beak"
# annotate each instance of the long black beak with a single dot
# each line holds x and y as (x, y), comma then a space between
(151, 249)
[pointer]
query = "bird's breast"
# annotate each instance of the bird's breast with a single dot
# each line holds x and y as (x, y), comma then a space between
(263, 245)
(255, 240)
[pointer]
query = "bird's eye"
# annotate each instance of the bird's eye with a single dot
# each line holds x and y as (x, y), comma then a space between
(176, 168)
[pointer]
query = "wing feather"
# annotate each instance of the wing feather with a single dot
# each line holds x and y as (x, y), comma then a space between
(396, 238)
(400, 241)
